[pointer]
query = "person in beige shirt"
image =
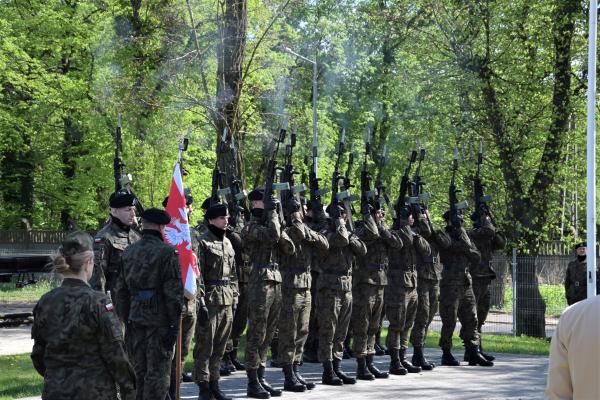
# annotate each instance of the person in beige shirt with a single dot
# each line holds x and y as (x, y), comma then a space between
(574, 368)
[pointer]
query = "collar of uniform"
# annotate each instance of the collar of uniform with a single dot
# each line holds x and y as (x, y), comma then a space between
(120, 224)
(152, 233)
(219, 233)
(74, 282)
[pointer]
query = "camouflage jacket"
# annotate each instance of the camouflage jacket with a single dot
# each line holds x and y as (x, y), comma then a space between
(78, 345)
(295, 268)
(402, 269)
(576, 281)
(109, 244)
(487, 241)
(242, 260)
(216, 260)
(264, 242)
(149, 286)
(430, 266)
(337, 262)
(458, 257)
(371, 268)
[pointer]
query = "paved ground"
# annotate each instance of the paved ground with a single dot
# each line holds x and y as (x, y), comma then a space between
(15, 340)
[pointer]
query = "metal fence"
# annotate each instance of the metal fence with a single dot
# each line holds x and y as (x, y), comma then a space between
(527, 297)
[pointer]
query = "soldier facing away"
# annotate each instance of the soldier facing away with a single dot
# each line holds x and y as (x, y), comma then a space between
(77, 335)
(150, 300)
(112, 240)
(217, 296)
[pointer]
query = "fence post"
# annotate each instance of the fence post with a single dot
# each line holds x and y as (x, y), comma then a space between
(514, 290)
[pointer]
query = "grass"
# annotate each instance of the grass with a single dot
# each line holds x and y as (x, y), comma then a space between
(9, 293)
(18, 378)
(553, 295)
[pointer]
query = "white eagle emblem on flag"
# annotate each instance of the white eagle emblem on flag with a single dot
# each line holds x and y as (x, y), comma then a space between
(176, 232)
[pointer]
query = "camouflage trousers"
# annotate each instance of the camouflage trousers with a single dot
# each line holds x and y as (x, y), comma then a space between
(151, 360)
(481, 289)
(264, 299)
(366, 315)
(428, 293)
(240, 318)
(211, 338)
(400, 309)
(293, 324)
(334, 308)
(458, 301)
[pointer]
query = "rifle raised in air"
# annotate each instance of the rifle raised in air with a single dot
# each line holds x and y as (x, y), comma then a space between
(481, 200)
(455, 207)
(122, 180)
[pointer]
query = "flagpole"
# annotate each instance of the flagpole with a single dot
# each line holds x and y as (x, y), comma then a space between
(591, 153)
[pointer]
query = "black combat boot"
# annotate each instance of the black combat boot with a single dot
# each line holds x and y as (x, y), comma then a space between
(309, 385)
(373, 369)
(362, 372)
(419, 359)
(396, 368)
(228, 364)
(223, 369)
(329, 377)
(236, 363)
(380, 350)
(204, 392)
(187, 377)
(348, 353)
(290, 382)
(348, 380)
(310, 353)
(475, 357)
(216, 391)
(261, 378)
(448, 359)
(255, 389)
(487, 356)
(275, 353)
(406, 364)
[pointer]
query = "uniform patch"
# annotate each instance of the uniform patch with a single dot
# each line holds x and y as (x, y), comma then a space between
(109, 307)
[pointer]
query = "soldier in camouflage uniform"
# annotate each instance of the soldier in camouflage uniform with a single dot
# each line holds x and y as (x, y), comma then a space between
(576, 276)
(456, 295)
(429, 273)
(264, 240)
(77, 341)
(334, 296)
(487, 240)
(150, 300)
(112, 240)
(217, 295)
(296, 298)
(401, 292)
(370, 281)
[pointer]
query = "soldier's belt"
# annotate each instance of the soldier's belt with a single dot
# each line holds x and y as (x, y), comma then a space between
(376, 267)
(145, 294)
(273, 266)
(296, 270)
(397, 267)
(217, 282)
(430, 259)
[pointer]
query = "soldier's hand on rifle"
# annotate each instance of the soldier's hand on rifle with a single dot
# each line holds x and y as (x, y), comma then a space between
(366, 208)
(270, 204)
(293, 205)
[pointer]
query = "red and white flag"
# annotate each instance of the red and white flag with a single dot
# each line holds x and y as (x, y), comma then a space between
(177, 234)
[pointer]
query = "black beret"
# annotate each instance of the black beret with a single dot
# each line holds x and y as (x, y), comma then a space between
(76, 242)
(256, 194)
(156, 216)
(188, 200)
(580, 244)
(121, 199)
(205, 204)
(216, 210)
